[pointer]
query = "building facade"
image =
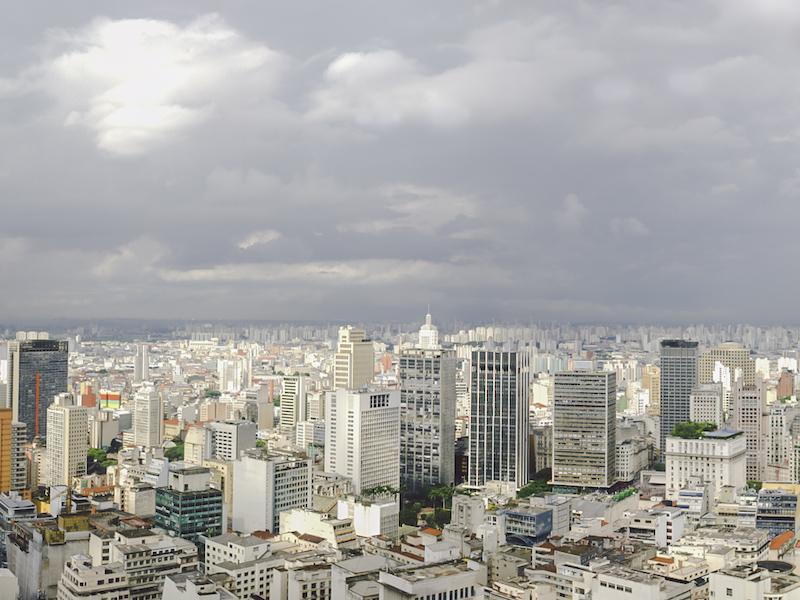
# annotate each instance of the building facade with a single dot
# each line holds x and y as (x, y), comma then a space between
(354, 361)
(37, 372)
(498, 444)
(678, 379)
(67, 440)
(584, 429)
(427, 417)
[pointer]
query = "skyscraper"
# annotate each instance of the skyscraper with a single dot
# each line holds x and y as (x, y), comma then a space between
(749, 414)
(5, 449)
(37, 372)
(293, 401)
(651, 381)
(67, 440)
(427, 417)
(498, 443)
(354, 361)
(428, 334)
(147, 417)
(584, 429)
(362, 437)
(678, 378)
(141, 363)
(734, 357)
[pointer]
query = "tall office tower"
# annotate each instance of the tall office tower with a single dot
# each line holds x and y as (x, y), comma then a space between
(231, 373)
(651, 381)
(498, 439)
(428, 335)
(293, 401)
(785, 388)
(227, 440)
(779, 441)
(354, 361)
(6, 449)
(427, 380)
(67, 440)
(705, 404)
(141, 363)
(362, 437)
(19, 462)
(584, 429)
(37, 372)
(188, 507)
(265, 484)
(732, 356)
(147, 418)
(678, 378)
(749, 414)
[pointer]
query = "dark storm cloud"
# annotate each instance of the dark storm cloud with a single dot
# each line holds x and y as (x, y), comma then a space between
(506, 160)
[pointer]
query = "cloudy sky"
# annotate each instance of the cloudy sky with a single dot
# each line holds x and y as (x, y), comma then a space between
(592, 161)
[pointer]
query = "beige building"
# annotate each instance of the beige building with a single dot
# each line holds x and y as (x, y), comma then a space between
(734, 357)
(354, 362)
(651, 381)
(718, 458)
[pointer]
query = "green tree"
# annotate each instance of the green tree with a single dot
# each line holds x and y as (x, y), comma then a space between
(532, 488)
(690, 430)
(443, 492)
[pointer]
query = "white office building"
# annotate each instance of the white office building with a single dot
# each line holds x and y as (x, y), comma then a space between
(293, 401)
(718, 459)
(706, 404)
(362, 437)
(227, 440)
(266, 484)
(147, 417)
(67, 440)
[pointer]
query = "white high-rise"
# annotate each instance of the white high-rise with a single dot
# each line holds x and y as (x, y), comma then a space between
(147, 417)
(428, 335)
(362, 437)
(141, 363)
(354, 361)
(67, 440)
(749, 414)
(706, 404)
(264, 485)
(293, 401)
(227, 440)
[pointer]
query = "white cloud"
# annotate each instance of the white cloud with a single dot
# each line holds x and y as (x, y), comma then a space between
(259, 238)
(571, 214)
(130, 260)
(135, 83)
(419, 208)
(511, 70)
(629, 226)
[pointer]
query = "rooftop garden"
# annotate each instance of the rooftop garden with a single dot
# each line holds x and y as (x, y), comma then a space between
(690, 430)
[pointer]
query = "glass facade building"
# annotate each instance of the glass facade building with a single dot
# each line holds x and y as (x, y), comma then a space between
(37, 372)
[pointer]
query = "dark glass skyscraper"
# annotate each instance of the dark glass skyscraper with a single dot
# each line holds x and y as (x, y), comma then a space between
(678, 378)
(37, 372)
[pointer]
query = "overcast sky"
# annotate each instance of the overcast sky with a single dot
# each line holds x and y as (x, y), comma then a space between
(591, 161)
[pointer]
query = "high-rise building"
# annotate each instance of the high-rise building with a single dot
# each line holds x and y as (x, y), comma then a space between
(37, 372)
(227, 440)
(749, 414)
(141, 363)
(584, 429)
(187, 507)
(293, 401)
(428, 334)
(354, 361)
(67, 440)
(427, 380)
(147, 417)
(705, 404)
(734, 357)
(717, 458)
(19, 461)
(678, 378)
(264, 484)
(651, 381)
(6, 449)
(362, 437)
(498, 441)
